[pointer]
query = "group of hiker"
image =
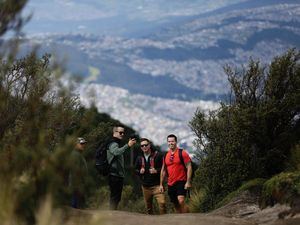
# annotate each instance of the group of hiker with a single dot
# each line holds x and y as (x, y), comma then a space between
(151, 166)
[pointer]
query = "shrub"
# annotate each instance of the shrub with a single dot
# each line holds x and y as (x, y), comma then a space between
(100, 198)
(282, 188)
(252, 134)
(293, 163)
(197, 200)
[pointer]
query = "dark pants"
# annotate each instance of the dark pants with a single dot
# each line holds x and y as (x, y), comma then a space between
(116, 187)
(77, 200)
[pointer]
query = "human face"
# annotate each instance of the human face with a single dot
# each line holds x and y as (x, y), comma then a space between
(119, 133)
(80, 146)
(145, 146)
(172, 143)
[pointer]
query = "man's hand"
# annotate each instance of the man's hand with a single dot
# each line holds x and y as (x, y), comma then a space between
(188, 185)
(131, 142)
(152, 170)
(161, 189)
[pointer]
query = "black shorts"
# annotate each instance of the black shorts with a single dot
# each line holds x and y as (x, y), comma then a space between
(176, 190)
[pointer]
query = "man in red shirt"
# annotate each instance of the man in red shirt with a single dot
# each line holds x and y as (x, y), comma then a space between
(179, 175)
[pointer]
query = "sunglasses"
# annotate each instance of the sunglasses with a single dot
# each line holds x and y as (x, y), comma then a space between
(121, 132)
(144, 145)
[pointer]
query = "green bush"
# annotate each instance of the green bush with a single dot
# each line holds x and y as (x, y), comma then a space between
(197, 201)
(253, 134)
(293, 163)
(282, 188)
(40, 120)
(130, 201)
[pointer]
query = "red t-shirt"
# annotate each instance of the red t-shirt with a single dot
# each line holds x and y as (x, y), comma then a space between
(176, 170)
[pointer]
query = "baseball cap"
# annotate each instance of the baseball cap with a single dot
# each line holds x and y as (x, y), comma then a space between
(81, 140)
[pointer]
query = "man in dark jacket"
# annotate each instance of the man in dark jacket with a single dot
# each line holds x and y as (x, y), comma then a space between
(116, 161)
(148, 167)
(78, 174)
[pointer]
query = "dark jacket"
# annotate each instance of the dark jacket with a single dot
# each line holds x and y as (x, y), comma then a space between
(78, 172)
(148, 179)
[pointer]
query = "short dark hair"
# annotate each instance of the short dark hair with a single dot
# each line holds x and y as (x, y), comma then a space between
(115, 127)
(172, 136)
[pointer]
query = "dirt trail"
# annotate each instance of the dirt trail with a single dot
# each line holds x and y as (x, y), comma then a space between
(99, 217)
(128, 218)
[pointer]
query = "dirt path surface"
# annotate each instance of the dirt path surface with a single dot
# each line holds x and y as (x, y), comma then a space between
(128, 218)
(103, 217)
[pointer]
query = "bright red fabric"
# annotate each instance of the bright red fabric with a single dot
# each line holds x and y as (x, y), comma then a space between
(176, 171)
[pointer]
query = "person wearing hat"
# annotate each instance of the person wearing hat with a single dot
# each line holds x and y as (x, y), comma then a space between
(78, 174)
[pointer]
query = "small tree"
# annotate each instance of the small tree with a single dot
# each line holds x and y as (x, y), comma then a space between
(253, 134)
(36, 116)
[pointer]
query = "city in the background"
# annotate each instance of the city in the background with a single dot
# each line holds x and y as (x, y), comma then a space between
(152, 63)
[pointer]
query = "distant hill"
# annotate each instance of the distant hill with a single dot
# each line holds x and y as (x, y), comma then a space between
(185, 61)
(131, 19)
(180, 56)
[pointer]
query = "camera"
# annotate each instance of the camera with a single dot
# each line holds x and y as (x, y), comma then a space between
(134, 136)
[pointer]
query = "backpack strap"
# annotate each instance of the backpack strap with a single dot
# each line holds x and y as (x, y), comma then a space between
(113, 157)
(164, 161)
(107, 149)
(142, 162)
(164, 158)
(181, 159)
(152, 157)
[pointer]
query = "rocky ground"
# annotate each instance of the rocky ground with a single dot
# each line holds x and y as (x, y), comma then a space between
(246, 207)
(242, 210)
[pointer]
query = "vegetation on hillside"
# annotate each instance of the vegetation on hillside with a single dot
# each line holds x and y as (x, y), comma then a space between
(253, 135)
(40, 121)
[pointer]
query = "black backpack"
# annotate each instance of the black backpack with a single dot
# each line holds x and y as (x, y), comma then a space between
(101, 161)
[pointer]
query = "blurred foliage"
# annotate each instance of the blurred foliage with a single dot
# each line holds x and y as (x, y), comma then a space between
(130, 200)
(40, 121)
(293, 162)
(35, 119)
(100, 199)
(10, 15)
(254, 133)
